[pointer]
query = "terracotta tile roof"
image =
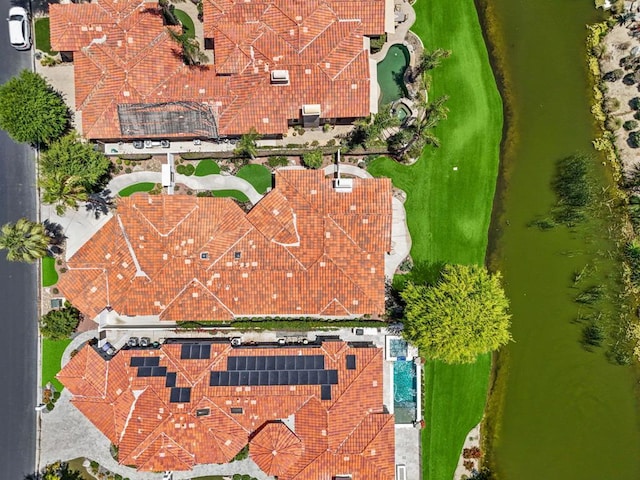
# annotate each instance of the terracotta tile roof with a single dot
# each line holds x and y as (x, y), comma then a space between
(294, 430)
(123, 55)
(303, 250)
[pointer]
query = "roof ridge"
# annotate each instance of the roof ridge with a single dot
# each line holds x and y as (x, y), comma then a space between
(376, 434)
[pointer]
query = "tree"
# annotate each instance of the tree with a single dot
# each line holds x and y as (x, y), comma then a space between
(630, 125)
(247, 146)
(634, 139)
(191, 53)
(60, 324)
(465, 314)
(312, 159)
(63, 191)
(25, 241)
(429, 60)
(69, 157)
(613, 75)
(31, 111)
(370, 129)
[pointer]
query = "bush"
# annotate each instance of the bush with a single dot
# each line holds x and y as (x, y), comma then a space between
(612, 123)
(128, 170)
(634, 103)
(630, 125)
(636, 115)
(611, 104)
(279, 161)
(377, 43)
(312, 159)
(60, 324)
(135, 156)
(629, 79)
(634, 139)
(613, 75)
(195, 156)
(187, 169)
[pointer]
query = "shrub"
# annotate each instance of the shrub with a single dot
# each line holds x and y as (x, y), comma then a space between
(331, 143)
(315, 143)
(135, 156)
(128, 170)
(612, 123)
(629, 79)
(634, 139)
(59, 324)
(630, 125)
(611, 104)
(187, 169)
(634, 103)
(326, 127)
(613, 75)
(279, 161)
(312, 159)
(592, 335)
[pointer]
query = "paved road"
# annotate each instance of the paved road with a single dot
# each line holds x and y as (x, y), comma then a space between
(17, 293)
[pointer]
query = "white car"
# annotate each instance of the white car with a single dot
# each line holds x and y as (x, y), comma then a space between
(19, 28)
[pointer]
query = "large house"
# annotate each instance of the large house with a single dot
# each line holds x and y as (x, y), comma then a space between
(311, 412)
(309, 248)
(274, 64)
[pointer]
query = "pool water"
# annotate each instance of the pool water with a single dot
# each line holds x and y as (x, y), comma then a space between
(391, 74)
(404, 391)
(402, 112)
(397, 348)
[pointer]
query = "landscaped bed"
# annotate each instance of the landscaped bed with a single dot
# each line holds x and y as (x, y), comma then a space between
(49, 274)
(43, 41)
(207, 167)
(187, 23)
(52, 351)
(257, 175)
(136, 187)
(449, 200)
(237, 194)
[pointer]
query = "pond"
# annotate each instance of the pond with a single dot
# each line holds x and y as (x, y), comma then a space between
(558, 411)
(391, 74)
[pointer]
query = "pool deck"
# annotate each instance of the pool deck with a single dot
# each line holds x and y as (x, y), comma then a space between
(398, 36)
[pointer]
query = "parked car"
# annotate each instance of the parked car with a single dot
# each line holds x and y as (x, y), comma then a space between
(19, 28)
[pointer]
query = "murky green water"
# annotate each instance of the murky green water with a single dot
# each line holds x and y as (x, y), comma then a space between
(390, 74)
(566, 413)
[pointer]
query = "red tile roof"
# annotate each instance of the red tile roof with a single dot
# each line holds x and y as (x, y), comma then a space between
(303, 250)
(346, 434)
(123, 55)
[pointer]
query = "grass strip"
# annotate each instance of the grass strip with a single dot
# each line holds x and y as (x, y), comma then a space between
(136, 187)
(257, 175)
(49, 274)
(52, 351)
(186, 21)
(237, 194)
(43, 40)
(207, 167)
(449, 200)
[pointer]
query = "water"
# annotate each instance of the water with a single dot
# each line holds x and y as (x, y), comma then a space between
(391, 73)
(402, 112)
(397, 348)
(559, 411)
(404, 391)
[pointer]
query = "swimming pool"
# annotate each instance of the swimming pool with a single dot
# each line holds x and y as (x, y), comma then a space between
(402, 112)
(397, 348)
(391, 74)
(405, 393)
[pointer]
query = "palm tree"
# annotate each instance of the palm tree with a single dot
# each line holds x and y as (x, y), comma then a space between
(63, 191)
(428, 61)
(25, 241)
(191, 53)
(247, 146)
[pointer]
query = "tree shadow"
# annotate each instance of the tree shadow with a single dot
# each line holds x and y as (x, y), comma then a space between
(425, 272)
(100, 203)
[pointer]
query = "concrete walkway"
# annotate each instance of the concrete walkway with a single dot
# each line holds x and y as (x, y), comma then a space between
(400, 33)
(400, 236)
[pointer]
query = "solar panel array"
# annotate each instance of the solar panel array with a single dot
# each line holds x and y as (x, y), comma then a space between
(180, 395)
(145, 361)
(195, 351)
(273, 377)
(277, 362)
(152, 371)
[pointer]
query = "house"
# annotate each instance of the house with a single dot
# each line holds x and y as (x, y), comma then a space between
(307, 412)
(309, 248)
(274, 64)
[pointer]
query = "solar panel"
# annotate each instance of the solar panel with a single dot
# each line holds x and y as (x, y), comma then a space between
(323, 377)
(158, 371)
(264, 378)
(174, 397)
(251, 363)
(270, 363)
(144, 371)
(185, 352)
(313, 377)
(280, 363)
(325, 392)
(195, 352)
(205, 351)
(185, 395)
(309, 361)
(333, 377)
(234, 379)
(273, 378)
(137, 361)
(224, 379)
(289, 362)
(242, 363)
(231, 363)
(151, 361)
(244, 378)
(214, 379)
(261, 363)
(319, 362)
(254, 378)
(299, 363)
(303, 377)
(283, 377)
(351, 362)
(171, 379)
(293, 377)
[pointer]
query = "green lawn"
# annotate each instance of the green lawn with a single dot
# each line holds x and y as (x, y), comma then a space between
(237, 194)
(257, 175)
(43, 41)
(187, 23)
(49, 274)
(52, 351)
(207, 167)
(449, 210)
(136, 187)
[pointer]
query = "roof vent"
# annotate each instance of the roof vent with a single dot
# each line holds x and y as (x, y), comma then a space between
(204, 255)
(280, 77)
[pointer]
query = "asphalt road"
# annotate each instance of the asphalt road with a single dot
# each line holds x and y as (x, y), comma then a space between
(18, 287)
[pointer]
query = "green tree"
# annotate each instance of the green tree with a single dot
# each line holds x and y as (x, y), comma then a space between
(25, 241)
(429, 60)
(312, 159)
(31, 111)
(63, 191)
(465, 314)
(60, 324)
(370, 129)
(247, 146)
(70, 157)
(191, 53)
